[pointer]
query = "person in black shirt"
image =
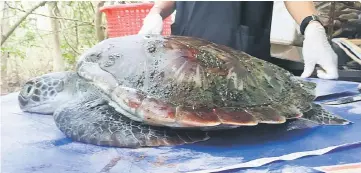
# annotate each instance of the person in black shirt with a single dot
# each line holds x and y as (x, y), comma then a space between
(245, 26)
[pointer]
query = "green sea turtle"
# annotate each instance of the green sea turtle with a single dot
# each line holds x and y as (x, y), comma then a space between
(152, 90)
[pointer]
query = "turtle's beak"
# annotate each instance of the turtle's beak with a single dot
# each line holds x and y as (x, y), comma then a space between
(30, 100)
(26, 93)
(22, 101)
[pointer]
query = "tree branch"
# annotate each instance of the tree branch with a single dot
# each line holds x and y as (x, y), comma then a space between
(12, 29)
(49, 33)
(54, 17)
(98, 21)
(57, 12)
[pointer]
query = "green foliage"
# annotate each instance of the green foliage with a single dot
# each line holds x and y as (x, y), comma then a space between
(13, 51)
(69, 57)
(32, 40)
(30, 37)
(22, 37)
(68, 54)
(77, 31)
(79, 34)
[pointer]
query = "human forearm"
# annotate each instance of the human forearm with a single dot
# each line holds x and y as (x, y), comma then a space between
(163, 8)
(153, 22)
(316, 48)
(300, 9)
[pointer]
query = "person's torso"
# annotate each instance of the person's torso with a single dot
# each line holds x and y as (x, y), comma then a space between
(242, 25)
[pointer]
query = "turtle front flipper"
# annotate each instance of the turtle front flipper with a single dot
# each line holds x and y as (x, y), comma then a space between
(319, 115)
(91, 120)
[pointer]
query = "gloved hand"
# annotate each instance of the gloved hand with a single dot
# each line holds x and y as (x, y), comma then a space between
(152, 24)
(317, 50)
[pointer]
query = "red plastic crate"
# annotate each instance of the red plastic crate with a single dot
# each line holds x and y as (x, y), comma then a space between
(127, 19)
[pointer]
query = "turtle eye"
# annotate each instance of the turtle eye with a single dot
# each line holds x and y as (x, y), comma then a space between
(27, 90)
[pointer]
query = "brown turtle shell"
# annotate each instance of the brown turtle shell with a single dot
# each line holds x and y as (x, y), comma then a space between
(180, 81)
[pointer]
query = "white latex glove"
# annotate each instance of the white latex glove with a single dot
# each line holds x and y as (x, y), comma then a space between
(317, 50)
(152, 24)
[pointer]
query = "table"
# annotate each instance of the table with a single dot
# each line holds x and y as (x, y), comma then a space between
(31, 143)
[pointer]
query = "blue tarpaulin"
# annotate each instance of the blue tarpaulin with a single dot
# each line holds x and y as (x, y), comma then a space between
(31, 143)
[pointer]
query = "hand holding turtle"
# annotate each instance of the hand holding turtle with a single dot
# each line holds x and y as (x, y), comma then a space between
(152, 24)
(317, 50)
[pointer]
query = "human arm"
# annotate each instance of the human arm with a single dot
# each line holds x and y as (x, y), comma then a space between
(300, 9)
(153, 22)
(163, 8)
(316, 48)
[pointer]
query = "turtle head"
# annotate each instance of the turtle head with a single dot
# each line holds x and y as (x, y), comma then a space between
(45, 93)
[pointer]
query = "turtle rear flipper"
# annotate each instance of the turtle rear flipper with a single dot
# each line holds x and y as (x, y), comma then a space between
(319, 115)
(91, 120)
